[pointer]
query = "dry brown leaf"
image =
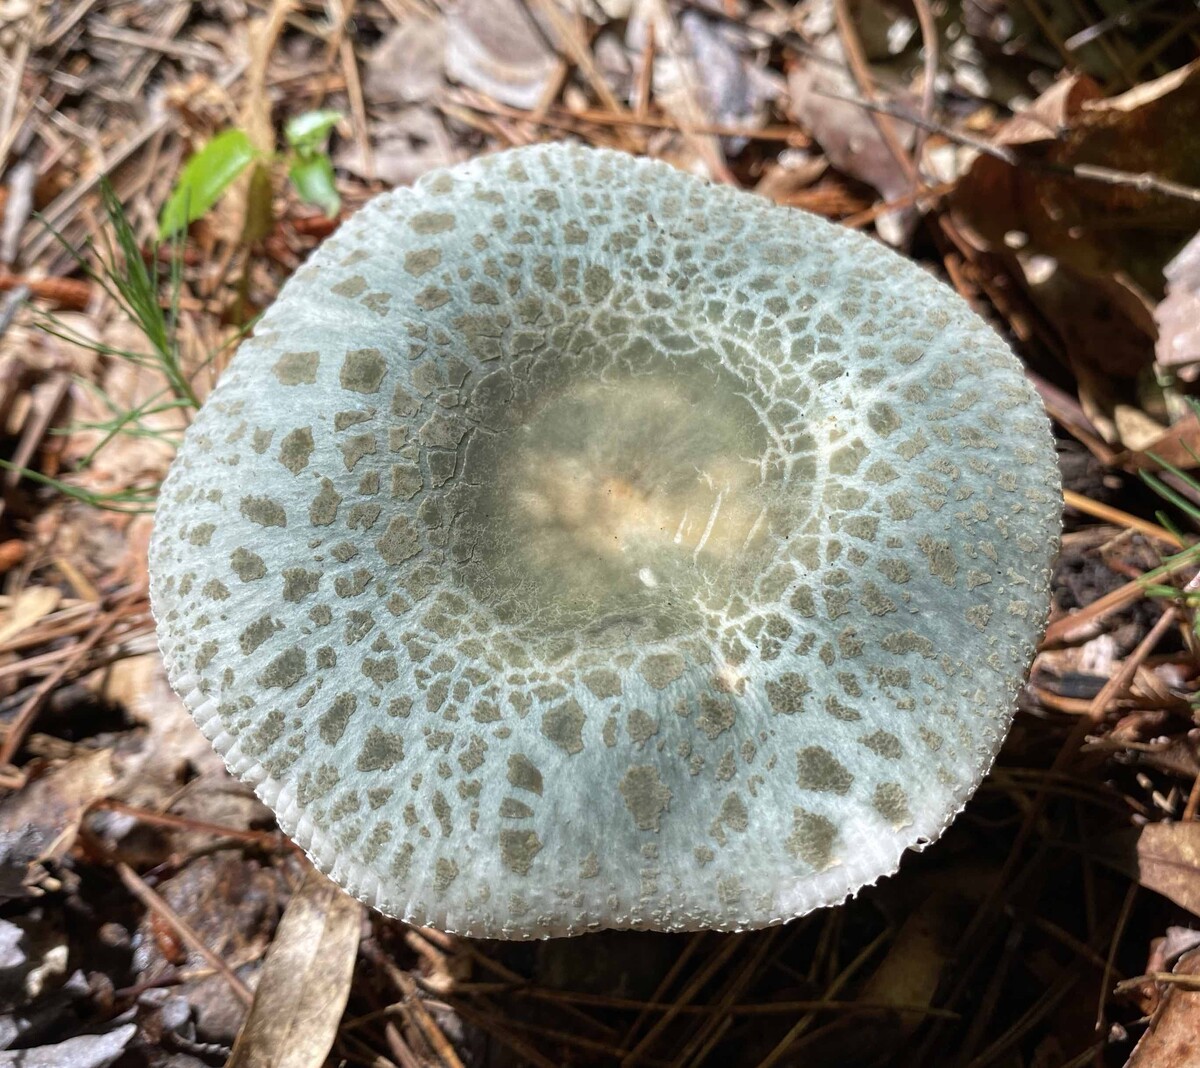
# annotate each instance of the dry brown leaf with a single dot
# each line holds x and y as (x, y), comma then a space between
(1173, 1038)
(845, 130)
(403, 147)
(1106, 242)
(44, 816)
(1178, 445)
(1168, 862)
(305, 981)
(408, 66)
(714, 63)
(1178, 316)
(910, 973)
(1050, 113)
(496, 47)
(26, 608)
(1093, 228)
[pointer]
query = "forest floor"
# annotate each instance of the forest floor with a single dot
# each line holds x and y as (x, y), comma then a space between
(1049, 171)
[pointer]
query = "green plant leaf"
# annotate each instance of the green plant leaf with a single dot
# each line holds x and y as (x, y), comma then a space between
(205, 177)
(308, 132)
(313, 179)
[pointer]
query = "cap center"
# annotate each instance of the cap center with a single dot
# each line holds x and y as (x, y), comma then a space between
(636, 503)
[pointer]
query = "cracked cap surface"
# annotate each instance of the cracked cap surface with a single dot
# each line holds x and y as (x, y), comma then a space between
(577, 545)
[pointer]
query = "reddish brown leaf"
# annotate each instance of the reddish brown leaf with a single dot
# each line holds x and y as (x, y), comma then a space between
(1096, 229)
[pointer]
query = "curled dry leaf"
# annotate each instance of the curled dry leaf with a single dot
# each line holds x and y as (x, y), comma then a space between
(305, 981)
(1092, 252)
(1093, 227)
(1113, 238)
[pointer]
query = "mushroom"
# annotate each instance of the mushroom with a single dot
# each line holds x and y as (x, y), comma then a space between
(581, 545)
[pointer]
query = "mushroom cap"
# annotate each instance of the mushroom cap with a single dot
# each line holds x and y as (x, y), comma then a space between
(577, 544)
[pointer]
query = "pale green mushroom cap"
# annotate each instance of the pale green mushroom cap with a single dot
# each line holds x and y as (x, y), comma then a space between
(579, 545)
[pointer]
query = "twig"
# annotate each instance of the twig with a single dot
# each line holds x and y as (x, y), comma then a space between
(490, 1022)
(1121, 519)
(857, 60)
(729, 946)
(141, 890)
(1188, 982)
(931, 45)
(1121, 679)
(693, 944)
(1062, 630)
(785, 1044)
(25, 717)
(1113, 945)
(645, 77)
(576, 48)
(714, 1025)
(914, 196)
(264, 839)
(1193, 801)
(69, 293)
(427, 1025)
(572, 121)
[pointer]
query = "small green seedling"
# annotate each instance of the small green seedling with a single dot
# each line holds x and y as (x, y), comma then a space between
(133, 282)
(210, 172)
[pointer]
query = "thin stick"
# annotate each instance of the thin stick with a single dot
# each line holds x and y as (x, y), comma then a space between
(1124, 675)
(1121, 519)
(25, 718)
(564, 119)
(1193, 801)
(931, 45)
(265, 839)
(141, 890)
(914, 196)
(1062, 630)
(689, 950)
(1188, 982)
(715, 963)
(857, 60)
(577, 50)
(645, 78)
(427, 1025)
(1114, 943)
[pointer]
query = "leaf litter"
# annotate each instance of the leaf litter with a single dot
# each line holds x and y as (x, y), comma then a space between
(1040, 157)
